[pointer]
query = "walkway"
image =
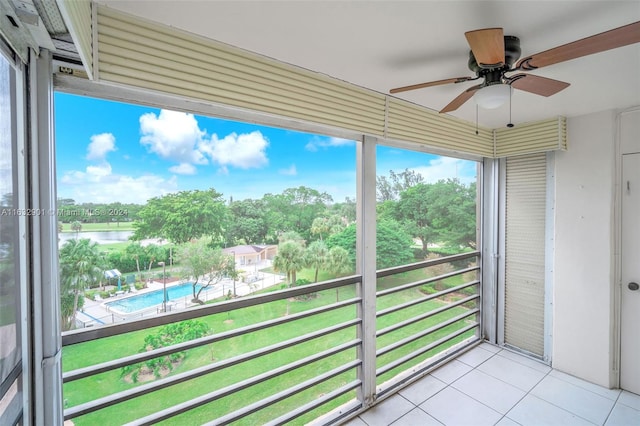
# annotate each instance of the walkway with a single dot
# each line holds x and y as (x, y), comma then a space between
(493, 386)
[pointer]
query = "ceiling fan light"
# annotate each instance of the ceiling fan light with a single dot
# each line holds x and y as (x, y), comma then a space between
(493, 96)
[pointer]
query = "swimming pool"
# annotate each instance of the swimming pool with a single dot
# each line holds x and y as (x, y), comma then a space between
(153, 298)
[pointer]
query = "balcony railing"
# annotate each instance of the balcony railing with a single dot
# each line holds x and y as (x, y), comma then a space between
(293, 354)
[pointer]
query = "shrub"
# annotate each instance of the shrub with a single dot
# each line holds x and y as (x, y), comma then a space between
(308, 296)
(168, 335)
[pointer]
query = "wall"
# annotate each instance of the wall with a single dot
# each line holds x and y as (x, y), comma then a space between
(584, 262)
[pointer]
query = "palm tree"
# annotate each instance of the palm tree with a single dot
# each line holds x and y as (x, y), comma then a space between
(339, 263)
(320, 226)
(290, 259)
(154, 253)
(81, 265)
(76, 226)
(317, 257)
(135, 251)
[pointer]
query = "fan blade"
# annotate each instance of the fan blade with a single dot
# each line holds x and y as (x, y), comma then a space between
(461, 99)
(542, 86)
(607, 40)
(431, 83)
(487, 46)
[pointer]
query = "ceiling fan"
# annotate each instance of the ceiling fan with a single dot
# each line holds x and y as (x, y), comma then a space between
(493, 56)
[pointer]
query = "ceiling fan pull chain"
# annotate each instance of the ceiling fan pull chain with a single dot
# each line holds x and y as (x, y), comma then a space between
(510, 124)
(476, 119)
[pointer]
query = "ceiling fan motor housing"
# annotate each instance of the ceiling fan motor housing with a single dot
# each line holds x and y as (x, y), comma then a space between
(494, 75)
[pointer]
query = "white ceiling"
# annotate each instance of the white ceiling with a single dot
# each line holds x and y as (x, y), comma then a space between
(384, 44)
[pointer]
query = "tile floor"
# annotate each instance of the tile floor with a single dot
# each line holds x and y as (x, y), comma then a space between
(493, 386)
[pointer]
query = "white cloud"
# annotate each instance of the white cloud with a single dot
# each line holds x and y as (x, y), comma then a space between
(245, 151)
(176, 136)
(339, 141)
(172, 135)
(183, 169)
(100, 146)
(448, 168)
(97, 184)
(289, 171)
(100, 170)
(318, 142)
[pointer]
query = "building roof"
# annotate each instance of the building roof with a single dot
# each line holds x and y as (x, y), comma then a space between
(246, 249)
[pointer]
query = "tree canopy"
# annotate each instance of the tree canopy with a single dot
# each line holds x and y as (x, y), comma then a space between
(290, 259)
(390, 188)
(204, 265)
(442, 212)
(182, 216)
(393, 245)
(247, 222)
(81, 266)
(295, 210)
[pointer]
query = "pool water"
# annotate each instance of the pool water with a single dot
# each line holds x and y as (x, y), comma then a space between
(153, 298)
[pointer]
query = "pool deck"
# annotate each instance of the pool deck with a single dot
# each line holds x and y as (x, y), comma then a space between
(95, 313)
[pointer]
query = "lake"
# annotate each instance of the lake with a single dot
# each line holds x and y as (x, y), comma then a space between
(100, 237)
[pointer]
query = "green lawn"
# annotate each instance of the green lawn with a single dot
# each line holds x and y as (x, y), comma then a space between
(107, 349)
(102, 226)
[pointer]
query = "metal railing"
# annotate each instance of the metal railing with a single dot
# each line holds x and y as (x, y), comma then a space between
(441, 317)
(311, 353)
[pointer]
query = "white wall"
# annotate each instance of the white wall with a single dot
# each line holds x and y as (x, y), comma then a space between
(584, 249)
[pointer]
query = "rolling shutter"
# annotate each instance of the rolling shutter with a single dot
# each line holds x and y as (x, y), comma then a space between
(77, 17)
(525, 252)
(156, 57)
(410, 122)
(539, 136)
(133, 52)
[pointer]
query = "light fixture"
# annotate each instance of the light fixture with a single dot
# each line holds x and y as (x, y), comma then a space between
(490, 97)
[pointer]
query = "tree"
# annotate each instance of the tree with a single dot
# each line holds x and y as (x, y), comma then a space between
(207, 265)
(136, 252)
(390, 188)
(76, 227)
(327, 225)
(317, 257)
(81, 266)
(454, 208)
(182, 216)
(414, 211)
(168, 335)
(393, 245)
(118, 259)
(66, 202)
(338, 263)
(290, 259)
(247, 222)
(320, 226)
(291, 236)
(345, 210)
(154, 253)
(444, 211)
(295, 209)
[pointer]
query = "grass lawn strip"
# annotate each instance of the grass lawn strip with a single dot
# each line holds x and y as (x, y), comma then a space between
(108, 383)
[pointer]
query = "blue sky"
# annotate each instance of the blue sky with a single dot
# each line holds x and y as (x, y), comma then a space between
(109, 151)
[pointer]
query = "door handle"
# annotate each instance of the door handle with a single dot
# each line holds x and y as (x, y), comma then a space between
(633, 286)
